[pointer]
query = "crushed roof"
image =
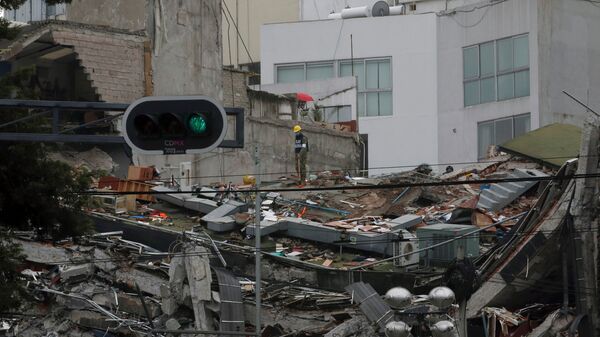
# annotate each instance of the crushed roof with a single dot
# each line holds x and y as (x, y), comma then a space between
(553, 144)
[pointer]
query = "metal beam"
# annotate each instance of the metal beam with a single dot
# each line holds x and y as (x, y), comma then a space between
(59, 138)
(63, 105)
(238, 142)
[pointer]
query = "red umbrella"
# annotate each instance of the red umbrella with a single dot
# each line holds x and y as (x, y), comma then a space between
(302, 96)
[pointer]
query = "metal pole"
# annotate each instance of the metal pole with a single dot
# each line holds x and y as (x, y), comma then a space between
(257, 253)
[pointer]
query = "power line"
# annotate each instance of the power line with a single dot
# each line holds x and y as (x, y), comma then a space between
(362, 187)
(491, 162)
(238, 31)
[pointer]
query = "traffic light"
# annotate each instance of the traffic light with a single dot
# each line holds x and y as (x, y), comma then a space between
(174, 125)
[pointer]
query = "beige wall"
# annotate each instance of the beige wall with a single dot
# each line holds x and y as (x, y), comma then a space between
(249, 15)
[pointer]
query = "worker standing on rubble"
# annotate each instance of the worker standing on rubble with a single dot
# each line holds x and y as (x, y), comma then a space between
(301, 153)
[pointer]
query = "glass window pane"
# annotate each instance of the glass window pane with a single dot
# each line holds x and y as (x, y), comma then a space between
(385, 74)
(522, 124)
(372, 75)
(487, 59)
(505, 54)
(385, 103)
(361, 104)
(319, 71)
(471, 93)
(522, 83)
(359, 70)
(372, 104)
(290, 74)
(485, 138)
(503, 131)
(505, 86)
(521, 52)
(470, 62)
(345, 113)
(330, 115)
(488, 90)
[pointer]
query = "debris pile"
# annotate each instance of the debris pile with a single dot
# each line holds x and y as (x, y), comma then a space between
(106, 285)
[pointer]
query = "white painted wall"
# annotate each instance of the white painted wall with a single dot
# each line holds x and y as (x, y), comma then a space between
(569, 46)
(409, 137)
(457, 124)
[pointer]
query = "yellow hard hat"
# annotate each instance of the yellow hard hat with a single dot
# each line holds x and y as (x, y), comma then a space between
(297, 128)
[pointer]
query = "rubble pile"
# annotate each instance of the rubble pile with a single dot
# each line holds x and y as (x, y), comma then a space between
(108, 286)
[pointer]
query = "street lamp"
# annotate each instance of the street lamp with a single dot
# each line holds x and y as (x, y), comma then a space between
(438, 322)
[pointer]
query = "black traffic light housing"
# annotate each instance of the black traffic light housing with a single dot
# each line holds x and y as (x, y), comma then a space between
(174, 125)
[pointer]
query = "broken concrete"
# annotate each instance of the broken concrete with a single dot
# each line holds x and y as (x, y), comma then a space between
(43, 253)
(357, 326)
(91, 319)
(127, 303)
(75, 273)
(102, 261)
(149, 283)
(199, 278)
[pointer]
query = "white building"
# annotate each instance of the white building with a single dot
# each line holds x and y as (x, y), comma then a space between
(439, 86)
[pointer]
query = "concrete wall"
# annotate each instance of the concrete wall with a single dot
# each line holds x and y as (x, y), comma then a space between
(125, 14)
(187, 48)
(249, 15)
(569, 50)
(329, 149)
(457, 124)
(409, 136)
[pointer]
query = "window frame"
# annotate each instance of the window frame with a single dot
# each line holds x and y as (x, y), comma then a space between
(337, 69)
(497, 73)
(365, 91)
(493, 122)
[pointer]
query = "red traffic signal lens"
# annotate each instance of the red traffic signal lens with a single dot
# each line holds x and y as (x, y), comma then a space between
(146, 127)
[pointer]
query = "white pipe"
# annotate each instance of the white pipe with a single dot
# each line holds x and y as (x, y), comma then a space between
(334, 16)
(397, 10)
(355, 12)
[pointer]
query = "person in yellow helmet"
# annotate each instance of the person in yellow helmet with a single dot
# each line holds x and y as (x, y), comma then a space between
(301, 153)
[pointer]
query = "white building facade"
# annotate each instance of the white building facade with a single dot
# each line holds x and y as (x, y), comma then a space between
(440, 86)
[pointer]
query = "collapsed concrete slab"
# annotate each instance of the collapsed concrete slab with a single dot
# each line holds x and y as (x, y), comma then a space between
(186, 200)
(91, 319)
(43, 253)
(127, 303)
(382, 243)
(149, 283)
(199, 278)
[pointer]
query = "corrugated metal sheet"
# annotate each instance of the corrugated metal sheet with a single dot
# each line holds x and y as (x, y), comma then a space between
(232, 305)
(370, 303)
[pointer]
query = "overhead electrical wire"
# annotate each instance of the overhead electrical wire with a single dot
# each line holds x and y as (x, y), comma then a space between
(408, 166)
(361, 187)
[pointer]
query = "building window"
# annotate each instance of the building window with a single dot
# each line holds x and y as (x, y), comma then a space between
(374, 94)
(294, 73)
(290, 74)
(499, 131)
(335, 114)
(374, 85)
(496, 70)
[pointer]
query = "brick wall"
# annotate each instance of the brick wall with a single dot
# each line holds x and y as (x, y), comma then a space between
(236, 96)
(113, 62)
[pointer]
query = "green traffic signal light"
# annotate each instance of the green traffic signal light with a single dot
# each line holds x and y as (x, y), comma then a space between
(197, 124)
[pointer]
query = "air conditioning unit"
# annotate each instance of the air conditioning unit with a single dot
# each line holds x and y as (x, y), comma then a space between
(442, 255)
(185, 175)
(409, 244)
